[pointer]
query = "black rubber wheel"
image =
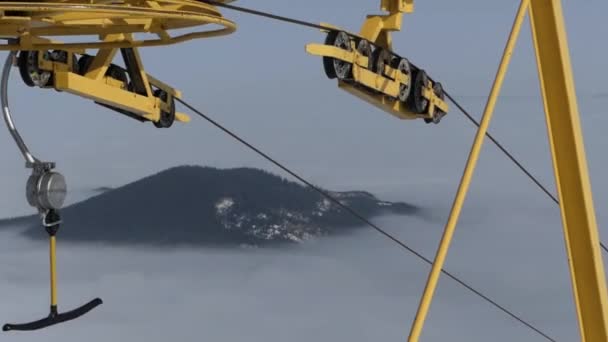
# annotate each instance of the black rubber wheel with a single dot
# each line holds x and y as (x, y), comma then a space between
(166, 118)
(335, 68)
(403, 65)
(380, 58)
(417, 102)
(328, 62)
(30, 73)
(364, 48)
(84, 63)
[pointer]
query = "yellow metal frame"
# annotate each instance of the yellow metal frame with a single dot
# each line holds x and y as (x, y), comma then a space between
(31, 24)
(570, 166)
(381, 91)
(108, 26)
(96, 86)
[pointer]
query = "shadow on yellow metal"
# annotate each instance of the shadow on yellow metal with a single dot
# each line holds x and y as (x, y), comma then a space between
(570, 166)
(381, 88)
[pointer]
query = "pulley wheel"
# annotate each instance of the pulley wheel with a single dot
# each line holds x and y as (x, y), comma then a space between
(28, 68)
(166, 117)
(335, 68)
(403, 65)
(381, 57)
(418, 103)
(438, 90)
(439, 114)
(84, 63)
(364, 48)
(328, 62)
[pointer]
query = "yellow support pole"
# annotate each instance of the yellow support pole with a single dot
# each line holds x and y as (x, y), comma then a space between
(52, 253)
(463, 188)
(570, 167)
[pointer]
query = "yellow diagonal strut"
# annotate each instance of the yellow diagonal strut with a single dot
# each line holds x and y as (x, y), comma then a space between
(570, 166)
(463, 188)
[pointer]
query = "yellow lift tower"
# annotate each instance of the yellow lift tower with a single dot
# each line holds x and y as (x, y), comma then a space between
(570, 166)
(389, 82)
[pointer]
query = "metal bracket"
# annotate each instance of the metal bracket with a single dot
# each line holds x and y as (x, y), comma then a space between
(30, 161)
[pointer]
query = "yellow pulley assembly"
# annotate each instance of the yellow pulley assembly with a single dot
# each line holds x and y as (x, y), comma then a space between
(366, 67)
(35, 29)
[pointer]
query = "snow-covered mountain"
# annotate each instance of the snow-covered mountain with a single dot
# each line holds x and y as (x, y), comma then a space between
(201, 205)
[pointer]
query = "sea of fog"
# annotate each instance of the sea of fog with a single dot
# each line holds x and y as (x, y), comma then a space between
(358, 287)
(355, 287)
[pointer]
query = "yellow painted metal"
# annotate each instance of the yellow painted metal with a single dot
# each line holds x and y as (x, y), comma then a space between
(29, 23)
(377, 28)
(106, 26)
(555, 172)
(465, 182)
(101, 92)
(570, 167)
(332, 51)
(405, 6)
(361, 73)
(142, 73)
(380, 90)
(159, 84)
(385, 103)
(106, 92)
(53, 268)
(181, 117)
(95, 85)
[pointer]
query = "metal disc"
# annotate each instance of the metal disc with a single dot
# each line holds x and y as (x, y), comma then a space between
(381, 57)
(418, 103)
(439, 114)
(403, 65)
(46, 191)
(342, 69)
(53, 190)
(365, 49)
(438, 90)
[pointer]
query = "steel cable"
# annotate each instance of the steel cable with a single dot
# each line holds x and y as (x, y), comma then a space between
(461, 108)
(360, 217)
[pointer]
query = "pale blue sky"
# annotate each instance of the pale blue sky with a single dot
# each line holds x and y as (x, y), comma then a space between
(261, 82)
